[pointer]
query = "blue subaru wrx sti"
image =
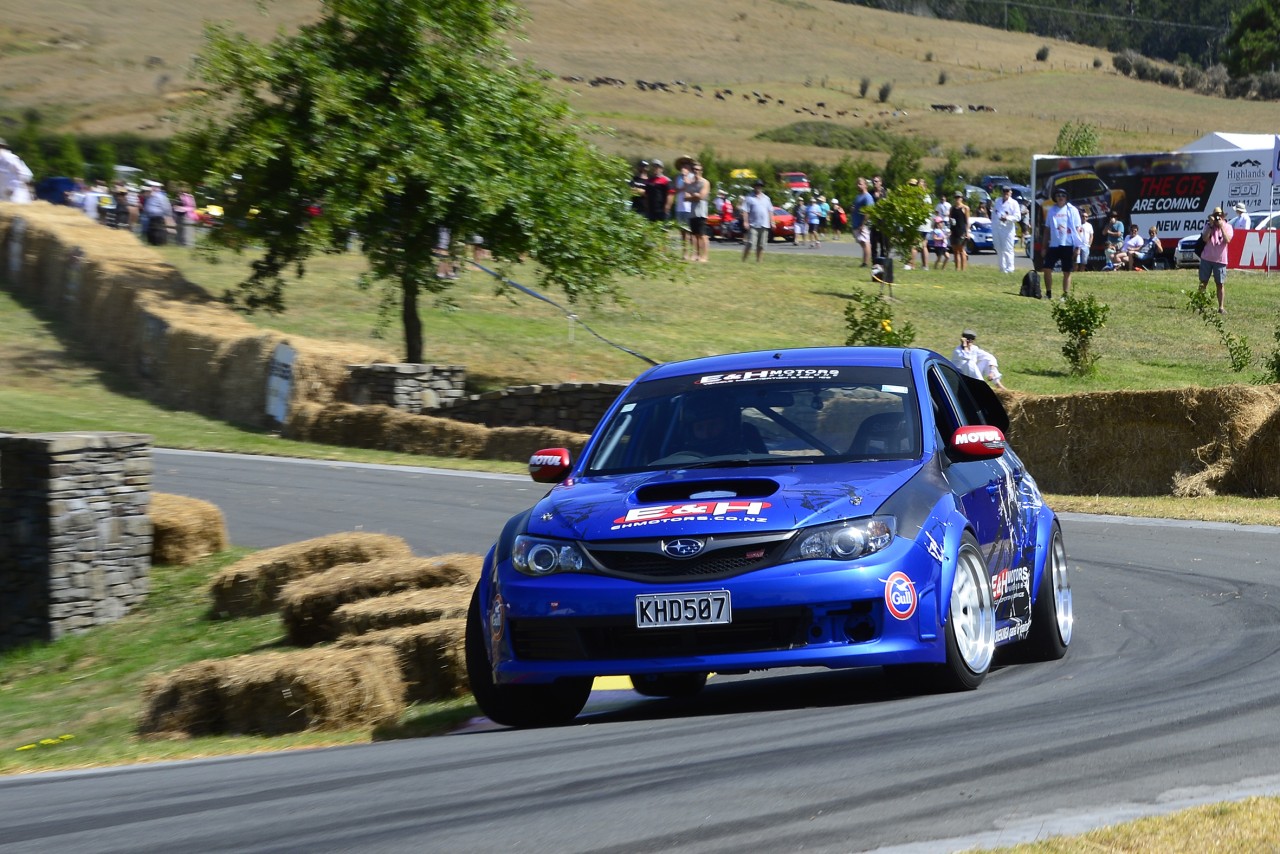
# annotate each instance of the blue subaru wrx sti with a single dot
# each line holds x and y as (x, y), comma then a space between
(833, 507)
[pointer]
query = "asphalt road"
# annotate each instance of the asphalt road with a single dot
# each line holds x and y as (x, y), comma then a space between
(1169, 696)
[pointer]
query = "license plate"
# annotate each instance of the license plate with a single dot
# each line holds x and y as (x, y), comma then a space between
(683, 609)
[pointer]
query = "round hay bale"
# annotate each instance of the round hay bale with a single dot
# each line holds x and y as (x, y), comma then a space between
(307, 604)
(431, 657)
(185, 529)
(395, 610)
(251, 586)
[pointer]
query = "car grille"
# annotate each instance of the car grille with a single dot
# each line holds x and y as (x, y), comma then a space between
(567, 639)
(723, 557)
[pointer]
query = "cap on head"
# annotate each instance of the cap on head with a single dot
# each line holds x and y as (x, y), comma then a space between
(959, 195)
(657, 163)
(1061, 191)
(970, 334)
(3, 142)
(1241, 207)
(758, 184)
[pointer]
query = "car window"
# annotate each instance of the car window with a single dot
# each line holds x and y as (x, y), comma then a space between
(768, 417)
(955, 404)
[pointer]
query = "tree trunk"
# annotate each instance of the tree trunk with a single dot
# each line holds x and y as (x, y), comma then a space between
(412, 322)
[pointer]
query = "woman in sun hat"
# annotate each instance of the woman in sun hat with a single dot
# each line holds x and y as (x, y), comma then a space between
(1241, 219)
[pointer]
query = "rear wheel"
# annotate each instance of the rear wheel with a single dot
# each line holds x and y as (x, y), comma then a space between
(1052, 615)
(674, 685)
(519, 706)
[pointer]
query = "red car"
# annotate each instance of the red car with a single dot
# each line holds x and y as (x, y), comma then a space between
(784, 226)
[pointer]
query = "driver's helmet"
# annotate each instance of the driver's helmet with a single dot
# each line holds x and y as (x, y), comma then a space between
(711, 422)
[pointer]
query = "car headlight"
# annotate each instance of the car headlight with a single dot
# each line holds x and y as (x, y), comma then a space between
(847, 540)
(541, 556)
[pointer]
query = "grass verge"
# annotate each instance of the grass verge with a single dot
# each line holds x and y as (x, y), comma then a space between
(74, 703)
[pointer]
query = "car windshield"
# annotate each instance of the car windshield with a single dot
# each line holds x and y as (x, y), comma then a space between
(762, 417)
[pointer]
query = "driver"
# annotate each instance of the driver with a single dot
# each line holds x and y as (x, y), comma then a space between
(712, 425)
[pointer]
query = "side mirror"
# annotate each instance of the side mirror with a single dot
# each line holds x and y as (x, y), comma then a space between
(978, 442)
(550, 465)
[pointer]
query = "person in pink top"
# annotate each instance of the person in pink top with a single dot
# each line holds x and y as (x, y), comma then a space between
(1213, 260)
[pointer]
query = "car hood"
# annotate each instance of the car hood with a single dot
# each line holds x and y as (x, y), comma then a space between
(685, 502)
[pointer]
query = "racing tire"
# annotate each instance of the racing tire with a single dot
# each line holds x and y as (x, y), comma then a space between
(671, 685)
(969, 635)
(971, 622)
(970, 247)
(519, 706)
(1052, 614)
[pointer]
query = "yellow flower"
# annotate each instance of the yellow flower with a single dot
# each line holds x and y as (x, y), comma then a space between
(886, 326)
(65, 737)
(27, 747)
(48, 741)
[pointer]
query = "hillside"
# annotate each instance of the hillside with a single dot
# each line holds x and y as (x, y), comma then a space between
(123, 66)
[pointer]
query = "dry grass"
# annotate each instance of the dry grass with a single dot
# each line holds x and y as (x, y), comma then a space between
(430, 657)
(396, 610)
(185, 529)
(307, 604)
(252, 585)
(276, 693)
(123, 66)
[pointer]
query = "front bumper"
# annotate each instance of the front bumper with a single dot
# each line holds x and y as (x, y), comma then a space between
(808, 613)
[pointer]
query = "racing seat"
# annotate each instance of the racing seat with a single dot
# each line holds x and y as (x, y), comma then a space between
(882, 433)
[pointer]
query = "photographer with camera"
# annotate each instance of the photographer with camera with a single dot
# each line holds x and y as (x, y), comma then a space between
(1213, 260)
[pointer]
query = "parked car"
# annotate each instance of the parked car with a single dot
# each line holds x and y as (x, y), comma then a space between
(55, 191)
(784, 226)
(822, 507)
(720, 228)
(980, 236)
(990, 182)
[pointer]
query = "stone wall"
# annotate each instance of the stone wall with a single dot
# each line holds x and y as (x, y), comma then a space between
(75, 538)
(407, 387)
(575, 407)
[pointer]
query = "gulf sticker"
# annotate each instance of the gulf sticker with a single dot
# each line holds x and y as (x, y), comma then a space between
(900, 595)
(698, 508)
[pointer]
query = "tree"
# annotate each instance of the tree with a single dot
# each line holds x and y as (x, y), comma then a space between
(1077, 139)
(70, 160)
(899, 215)
(1253, 44)
(394, 118)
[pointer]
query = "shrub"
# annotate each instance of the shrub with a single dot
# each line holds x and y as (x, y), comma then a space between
(942, 78)
(1042, 54)
(1192, 77)
(1169, 76)
(1080, 319)
(870, 322)
(1097, 62)
(863, 85)
(928, 57)
(1123, 62)
(1269, 86)
(1271, 363)
(886, 89)
(1238, 351)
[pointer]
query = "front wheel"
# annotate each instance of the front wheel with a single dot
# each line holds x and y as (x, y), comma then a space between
(1052, 615)
(971, 623)
(519, 706)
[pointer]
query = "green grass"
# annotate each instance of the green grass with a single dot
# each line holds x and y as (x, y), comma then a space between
(75, 702)
(791, 299)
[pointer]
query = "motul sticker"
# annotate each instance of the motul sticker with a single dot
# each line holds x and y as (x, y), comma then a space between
(721, 511)
(900, 596)
(976, 437)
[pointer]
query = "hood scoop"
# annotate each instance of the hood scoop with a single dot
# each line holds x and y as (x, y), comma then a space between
(705, 490)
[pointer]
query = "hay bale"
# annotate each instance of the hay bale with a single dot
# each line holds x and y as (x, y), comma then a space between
(431, 657)
(276, 693)
(185, 529)
(251, 586)
(516, 444)
(307, 604)
(395, 610)
(185, 701)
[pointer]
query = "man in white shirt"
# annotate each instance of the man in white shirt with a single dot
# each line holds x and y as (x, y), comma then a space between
(1005, 214)
(1062, 224)
(15, 177)
(972, 361)
(1241, 222)
(757, 221)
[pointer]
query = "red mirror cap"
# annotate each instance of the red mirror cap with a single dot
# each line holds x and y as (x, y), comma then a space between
(978, 442)
(550, 465)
